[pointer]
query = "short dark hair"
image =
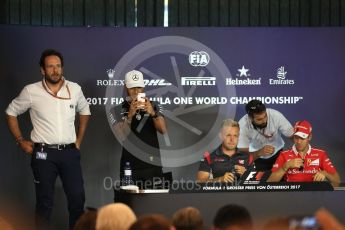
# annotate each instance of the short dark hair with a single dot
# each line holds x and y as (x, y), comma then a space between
(232, 214)
(188, 218)
(152, 222)
(255, 106)
(50, 52)
(87, 220)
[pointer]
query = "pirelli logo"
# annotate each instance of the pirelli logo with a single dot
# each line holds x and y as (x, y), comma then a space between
(199, 81)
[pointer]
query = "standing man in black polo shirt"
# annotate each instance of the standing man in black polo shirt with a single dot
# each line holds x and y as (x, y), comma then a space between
(54, 144)
(226, 163)
(136, 122)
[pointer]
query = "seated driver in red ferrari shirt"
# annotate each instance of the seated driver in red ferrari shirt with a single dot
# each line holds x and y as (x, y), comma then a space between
(302, 163)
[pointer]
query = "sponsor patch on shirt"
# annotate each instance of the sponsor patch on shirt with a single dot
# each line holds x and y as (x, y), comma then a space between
(315, 162)
(297, 171)
(219, 159)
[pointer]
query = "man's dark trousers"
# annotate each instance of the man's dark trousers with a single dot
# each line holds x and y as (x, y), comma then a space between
(66, 164)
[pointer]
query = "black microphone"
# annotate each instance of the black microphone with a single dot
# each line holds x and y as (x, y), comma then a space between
(237, 176)
(301, 167)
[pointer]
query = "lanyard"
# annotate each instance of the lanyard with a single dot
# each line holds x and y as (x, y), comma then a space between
(62, 98)
(262, 133)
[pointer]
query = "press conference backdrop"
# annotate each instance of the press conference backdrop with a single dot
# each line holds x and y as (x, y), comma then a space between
(200, 76)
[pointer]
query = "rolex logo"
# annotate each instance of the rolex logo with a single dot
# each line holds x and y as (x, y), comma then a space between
(110, 73)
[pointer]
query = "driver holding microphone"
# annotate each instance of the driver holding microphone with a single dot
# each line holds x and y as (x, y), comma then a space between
(136, 122)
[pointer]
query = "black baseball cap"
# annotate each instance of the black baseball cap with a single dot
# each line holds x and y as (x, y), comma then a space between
(255, 106)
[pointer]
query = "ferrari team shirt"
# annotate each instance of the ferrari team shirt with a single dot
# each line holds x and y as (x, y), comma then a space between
(315, 160)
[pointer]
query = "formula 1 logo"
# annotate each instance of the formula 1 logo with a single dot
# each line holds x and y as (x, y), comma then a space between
(199, 58)
(258, 176)
(251, 175)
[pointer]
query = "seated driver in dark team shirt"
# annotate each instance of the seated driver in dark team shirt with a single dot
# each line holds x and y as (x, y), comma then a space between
(226, 163)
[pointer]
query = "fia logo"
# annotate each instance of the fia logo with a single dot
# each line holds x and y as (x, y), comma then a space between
(110, 73)
(199, 58)
(281, 74)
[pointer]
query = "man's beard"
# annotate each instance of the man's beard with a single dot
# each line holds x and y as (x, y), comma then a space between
(261, 126)
(51, 81)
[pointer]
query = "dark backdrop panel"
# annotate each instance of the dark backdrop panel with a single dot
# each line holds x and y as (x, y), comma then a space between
(181, 12)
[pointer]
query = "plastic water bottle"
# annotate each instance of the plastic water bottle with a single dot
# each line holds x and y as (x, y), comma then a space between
(127, 178)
